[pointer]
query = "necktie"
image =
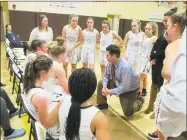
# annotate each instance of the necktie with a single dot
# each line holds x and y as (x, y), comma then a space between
(113, 72)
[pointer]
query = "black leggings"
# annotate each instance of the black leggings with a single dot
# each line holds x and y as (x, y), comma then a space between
(25, 46)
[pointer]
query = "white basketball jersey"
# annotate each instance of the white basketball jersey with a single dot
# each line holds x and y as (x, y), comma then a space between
(135, 40)
(106, 40)
(89, 38)
(87, 115)
(71, 36)
(147, 45)
(54, 131)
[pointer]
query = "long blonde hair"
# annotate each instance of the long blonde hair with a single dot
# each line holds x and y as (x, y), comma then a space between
(154, 26)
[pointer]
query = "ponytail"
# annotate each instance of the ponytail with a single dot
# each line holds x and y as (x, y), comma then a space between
(60, 41)
(29, 77)
(32, 71)
(73, 122)
(82, 84)
(171, 12)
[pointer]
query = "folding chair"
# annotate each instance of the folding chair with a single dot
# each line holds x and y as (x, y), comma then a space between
(17, 79)
(39, 132)
(7, 47)
(27, 110)
(33, 119)
(10, 56)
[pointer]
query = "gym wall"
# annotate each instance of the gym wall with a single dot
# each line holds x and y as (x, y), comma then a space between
(128, 10)
(23, 22)
(24, 18)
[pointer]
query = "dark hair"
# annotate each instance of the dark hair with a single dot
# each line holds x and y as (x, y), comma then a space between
(60, 41)
(56, 50)
(106, 22)
(171, 12)
(36, 43)
(113, 49)
(41, 17)
(90, 18)
(180, 19)
(82, 84)
(6, 27)
(32, 70)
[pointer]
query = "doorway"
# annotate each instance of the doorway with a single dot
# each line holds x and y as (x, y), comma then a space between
(2, 24)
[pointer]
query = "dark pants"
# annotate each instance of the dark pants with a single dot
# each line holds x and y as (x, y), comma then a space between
(8, 102)
(157, 73)
(23, 45)
(4, 122)
(183, 136)
(128, 100)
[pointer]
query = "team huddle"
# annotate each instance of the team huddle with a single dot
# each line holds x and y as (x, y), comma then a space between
(68, 113)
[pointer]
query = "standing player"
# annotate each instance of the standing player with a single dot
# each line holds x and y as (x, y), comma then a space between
(72, 35)
(133, 42)
(151, 34)
(90, 40)
(106, 38)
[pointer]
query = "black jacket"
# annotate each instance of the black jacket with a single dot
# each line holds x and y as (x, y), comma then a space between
(158, 53)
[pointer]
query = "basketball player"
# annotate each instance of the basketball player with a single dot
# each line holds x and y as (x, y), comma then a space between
(90, 40)
(107, 38)
(72, 35)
